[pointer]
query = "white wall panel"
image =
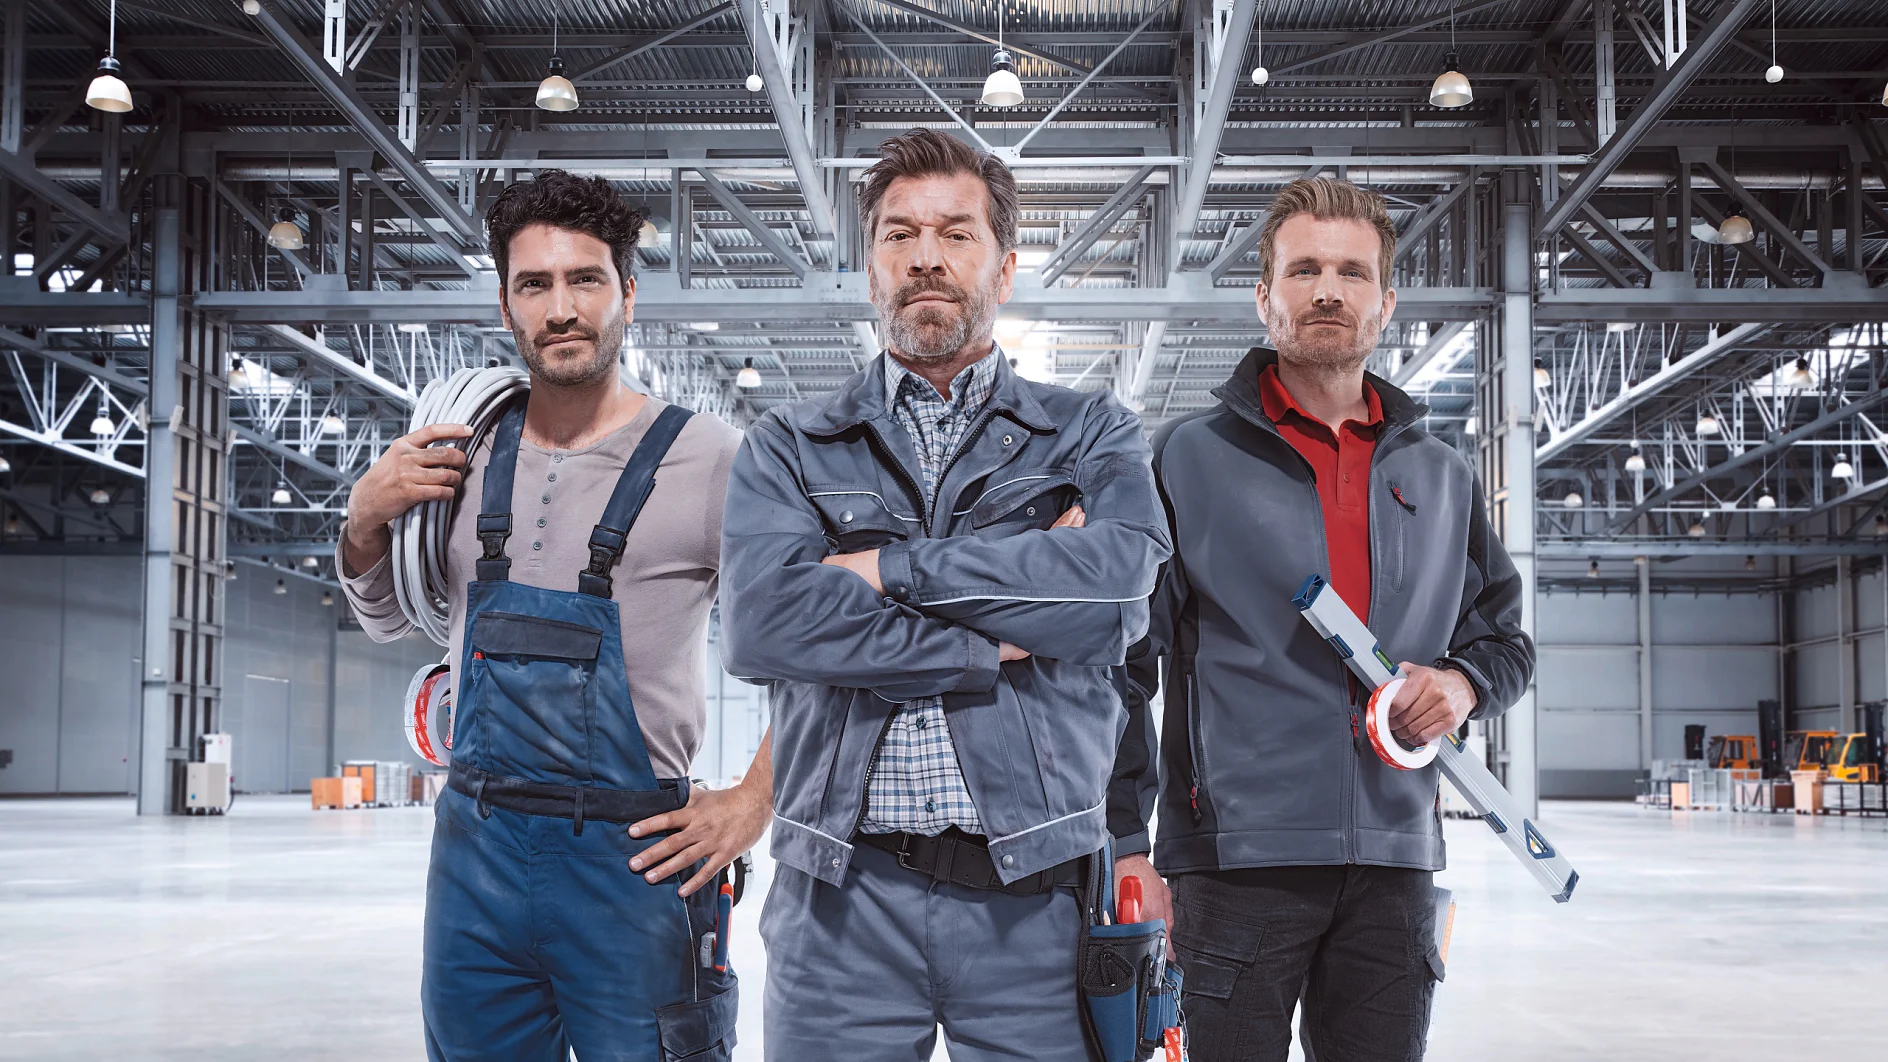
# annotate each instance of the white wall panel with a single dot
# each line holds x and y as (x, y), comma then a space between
(1587, 619)
(1711, 619)
(1817, 680)
(1814, 613)
(100, 630)
(1692, 679)
(31, 609)
(1588, 678)
(1589, 741)
(1869, 667)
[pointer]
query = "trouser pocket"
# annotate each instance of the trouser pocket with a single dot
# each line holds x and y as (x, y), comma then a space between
(702, 1031)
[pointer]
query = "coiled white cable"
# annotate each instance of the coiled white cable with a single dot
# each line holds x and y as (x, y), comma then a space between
(474, 397)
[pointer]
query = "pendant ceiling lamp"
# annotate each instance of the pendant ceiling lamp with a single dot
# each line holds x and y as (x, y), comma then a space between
(1775, 73)
(1842, 469)
(749, 377)
(1766, 501)
(1736, 229)
(555, 92)
(1708, 425)
(333, 425)
(1260, 75)
(1799, 375)
(281, 495)
(1451, 88)
(1636, 462)
(108, 91)
(1002, 88)
(102, 425)
(285, 234)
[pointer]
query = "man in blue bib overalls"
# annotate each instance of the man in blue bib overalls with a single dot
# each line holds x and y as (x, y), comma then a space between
(569, 902)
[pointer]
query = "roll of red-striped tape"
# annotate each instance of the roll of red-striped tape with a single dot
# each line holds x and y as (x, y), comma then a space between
(1390, 748)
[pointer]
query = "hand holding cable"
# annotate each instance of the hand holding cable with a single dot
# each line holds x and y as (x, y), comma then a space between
(410, 472)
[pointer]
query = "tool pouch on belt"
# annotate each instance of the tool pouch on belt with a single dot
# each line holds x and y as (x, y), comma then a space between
(1130, 995)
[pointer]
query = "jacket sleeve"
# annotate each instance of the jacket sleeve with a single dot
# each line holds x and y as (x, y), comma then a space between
(1489, 646)
(1077, 595)
(786, 616)
(1135, 781)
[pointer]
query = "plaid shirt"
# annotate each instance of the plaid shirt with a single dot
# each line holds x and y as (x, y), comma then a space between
(917, 785)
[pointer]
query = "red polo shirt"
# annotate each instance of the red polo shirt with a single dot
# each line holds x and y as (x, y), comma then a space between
(1341, 462)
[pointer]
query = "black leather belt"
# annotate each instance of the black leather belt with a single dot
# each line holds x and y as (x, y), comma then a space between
(964, 859)
(575, 802)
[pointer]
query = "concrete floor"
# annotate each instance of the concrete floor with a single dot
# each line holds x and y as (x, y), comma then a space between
(277, 932)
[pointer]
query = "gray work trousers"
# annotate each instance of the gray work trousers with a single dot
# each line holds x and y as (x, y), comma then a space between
(868, 971)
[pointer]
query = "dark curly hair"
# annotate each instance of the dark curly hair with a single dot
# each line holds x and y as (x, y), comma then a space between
(567, 201)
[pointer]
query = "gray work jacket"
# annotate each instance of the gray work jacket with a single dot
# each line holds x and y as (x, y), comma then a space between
(1036, 738)
(1263, 763)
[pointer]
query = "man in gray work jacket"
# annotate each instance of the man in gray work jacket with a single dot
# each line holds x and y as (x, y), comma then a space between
(940, 567)
(1300, 859)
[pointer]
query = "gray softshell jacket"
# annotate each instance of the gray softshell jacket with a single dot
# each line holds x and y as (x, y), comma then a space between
(1263, 762)
(1036, 738)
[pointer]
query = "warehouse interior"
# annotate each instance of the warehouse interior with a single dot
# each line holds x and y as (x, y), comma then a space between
(1643, 282)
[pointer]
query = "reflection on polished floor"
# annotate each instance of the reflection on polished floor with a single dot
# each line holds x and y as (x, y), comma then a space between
(276, 932)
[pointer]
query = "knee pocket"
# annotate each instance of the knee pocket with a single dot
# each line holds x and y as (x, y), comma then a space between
(701, 1031)
(1214, 950)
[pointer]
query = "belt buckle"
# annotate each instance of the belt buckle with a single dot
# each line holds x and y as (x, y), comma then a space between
(904, 851)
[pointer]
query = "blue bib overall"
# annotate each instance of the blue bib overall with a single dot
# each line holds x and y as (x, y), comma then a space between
(539, 938)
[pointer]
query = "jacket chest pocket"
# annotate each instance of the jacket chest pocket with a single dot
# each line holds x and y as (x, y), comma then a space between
(856, 520)
(1023, 503)
(1396, 545)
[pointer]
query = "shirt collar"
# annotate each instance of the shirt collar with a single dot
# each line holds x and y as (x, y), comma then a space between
(1279, 403)
(970, 389)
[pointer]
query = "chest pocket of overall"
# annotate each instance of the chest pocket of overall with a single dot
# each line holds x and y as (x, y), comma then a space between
(857, 520)
(541, 669)
(1023, 503)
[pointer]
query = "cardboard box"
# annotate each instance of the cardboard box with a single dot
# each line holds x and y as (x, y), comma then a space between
(1806, 787)
(335, 792)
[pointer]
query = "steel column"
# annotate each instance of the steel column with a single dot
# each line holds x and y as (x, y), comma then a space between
(1643, 565)
(162, 687)
(1509, 469)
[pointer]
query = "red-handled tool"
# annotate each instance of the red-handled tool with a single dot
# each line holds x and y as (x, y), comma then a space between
(1128, 908)
(724, 916)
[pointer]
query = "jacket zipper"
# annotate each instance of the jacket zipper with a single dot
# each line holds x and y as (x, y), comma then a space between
(963, 447)
(1197, 741)
(865, 791)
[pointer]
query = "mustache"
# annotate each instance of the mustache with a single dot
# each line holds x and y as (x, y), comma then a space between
(1339, 317)
(917, 286)
(543, 338)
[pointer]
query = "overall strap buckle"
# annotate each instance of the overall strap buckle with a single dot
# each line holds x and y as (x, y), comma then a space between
(606, 546)
(494, 529)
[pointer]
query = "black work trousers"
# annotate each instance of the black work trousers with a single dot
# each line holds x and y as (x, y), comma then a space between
(1357, 941)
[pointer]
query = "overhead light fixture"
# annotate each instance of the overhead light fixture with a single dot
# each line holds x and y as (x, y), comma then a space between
(1799, 375)
(1002, 88)
(333, 425)
(102, 425)
(1881, 524)
(100, 496)
(285, 234)
(238, 376)
(327, 599)
(1750, 564)
(1775, 73)
(252, 7)
(755, 83)
(1541, 376)
(1451, 88)
(108, 91)
(648, 234)
(1593, 569)
(1260, 75)
(1470, 427)
(1766, 502)
(705, 326)
(13, 525)
(1842, 469)
(555, 92)
(281, 495)
(311, 561)
(1884, 95)
(749, 377)
(1696, 530)
(1708, 425)
(411, 328)
(5, 466)
(281, 586)
(1620, 326)
(1635, 462)
(1573, 500)
(1735, 230)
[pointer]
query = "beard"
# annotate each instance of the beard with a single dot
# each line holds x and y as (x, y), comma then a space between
(606, 347)
(932, 331)
(1323, 348)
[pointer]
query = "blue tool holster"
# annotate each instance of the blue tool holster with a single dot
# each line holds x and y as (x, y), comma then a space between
(1130, 995)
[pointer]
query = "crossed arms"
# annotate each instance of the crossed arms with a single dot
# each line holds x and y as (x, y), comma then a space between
(935, 617)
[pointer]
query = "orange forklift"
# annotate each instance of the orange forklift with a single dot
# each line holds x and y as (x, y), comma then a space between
(1736, 751)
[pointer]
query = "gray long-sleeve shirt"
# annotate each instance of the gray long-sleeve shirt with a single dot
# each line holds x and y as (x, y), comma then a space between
(664, 585)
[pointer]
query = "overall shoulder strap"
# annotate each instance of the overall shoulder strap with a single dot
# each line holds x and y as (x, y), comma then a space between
(626, 501)
(495, 505)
